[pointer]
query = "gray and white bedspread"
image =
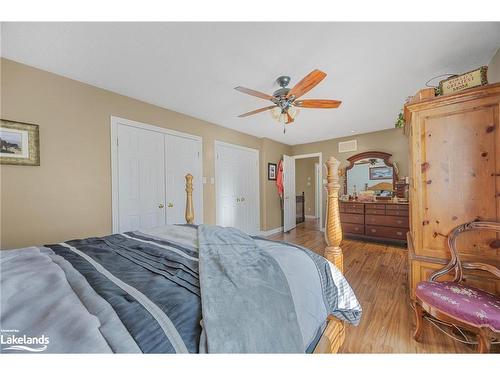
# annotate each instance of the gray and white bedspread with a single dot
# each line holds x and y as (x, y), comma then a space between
(173, 289)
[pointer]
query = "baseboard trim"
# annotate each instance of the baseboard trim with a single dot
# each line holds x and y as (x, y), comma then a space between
(310, 217)
(267, 233)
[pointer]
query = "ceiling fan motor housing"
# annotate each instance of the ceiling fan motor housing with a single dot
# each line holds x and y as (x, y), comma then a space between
(283, 81)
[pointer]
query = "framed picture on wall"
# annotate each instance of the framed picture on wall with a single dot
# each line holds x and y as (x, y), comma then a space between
(19, 143)
(380, 173)
(271, 171)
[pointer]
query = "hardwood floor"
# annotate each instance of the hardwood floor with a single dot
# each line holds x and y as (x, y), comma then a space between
(378, 276)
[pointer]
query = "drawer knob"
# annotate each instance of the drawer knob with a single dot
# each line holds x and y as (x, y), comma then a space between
(399, 233)
(373, 230)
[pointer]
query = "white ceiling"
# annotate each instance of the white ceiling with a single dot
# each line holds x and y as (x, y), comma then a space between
(193, 67)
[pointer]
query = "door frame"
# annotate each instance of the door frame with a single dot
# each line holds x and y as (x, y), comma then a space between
(318, 155)
(257, 177)
(317, 190)
(115, 122)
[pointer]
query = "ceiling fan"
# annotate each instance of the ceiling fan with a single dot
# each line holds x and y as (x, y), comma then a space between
(285, 99)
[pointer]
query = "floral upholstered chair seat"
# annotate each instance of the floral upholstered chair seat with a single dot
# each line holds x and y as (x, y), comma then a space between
(464, 303)
(454, 303)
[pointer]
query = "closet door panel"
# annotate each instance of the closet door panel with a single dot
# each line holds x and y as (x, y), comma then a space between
(237, 188)
(227, 188)
(182, 156)
(141, 174)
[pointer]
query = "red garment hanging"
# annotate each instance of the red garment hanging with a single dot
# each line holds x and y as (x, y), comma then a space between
(279, 179)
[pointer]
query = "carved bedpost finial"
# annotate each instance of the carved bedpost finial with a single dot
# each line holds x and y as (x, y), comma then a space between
(189, 199)
(333, 230)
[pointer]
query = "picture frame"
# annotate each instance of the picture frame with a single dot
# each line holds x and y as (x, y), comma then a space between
(381, 173)
(271, 171)
(19, 143)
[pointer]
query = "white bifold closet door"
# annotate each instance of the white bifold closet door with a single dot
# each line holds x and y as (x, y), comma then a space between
(237, 187)
(151, 169)
(289, 202)
(141, 178)
(182, 157)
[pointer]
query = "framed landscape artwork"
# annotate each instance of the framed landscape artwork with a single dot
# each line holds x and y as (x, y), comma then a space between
(19, 143)
(380, 173)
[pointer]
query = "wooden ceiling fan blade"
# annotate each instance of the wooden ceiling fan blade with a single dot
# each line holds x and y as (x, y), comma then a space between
(317, 103)
(257, 111)
(306, 84)
(289, 119)
(258, 94)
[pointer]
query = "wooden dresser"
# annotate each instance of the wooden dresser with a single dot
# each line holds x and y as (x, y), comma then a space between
(454, 178)
(375, 220)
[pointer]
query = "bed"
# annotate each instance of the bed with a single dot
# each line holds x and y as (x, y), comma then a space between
(178, 289)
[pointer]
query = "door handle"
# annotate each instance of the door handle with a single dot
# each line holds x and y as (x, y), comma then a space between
(242, 199)
(170, 205)
(237, 199)
(161, 205)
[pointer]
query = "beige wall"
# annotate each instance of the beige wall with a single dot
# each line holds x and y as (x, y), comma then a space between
(69, 194)
(304, 173)
(392, 141)
(494, 68)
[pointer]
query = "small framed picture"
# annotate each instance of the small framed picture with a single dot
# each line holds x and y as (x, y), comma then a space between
(19, 143)
(380, 173)
(271, 171)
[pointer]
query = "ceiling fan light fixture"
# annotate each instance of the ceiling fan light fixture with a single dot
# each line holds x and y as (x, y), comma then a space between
(275, 113)
(293, 112)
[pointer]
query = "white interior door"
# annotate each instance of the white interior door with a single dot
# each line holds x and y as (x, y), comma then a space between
(182, 156)
(141, 178)
(237, 187)
(289, 205)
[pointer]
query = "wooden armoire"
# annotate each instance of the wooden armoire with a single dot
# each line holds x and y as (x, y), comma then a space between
(454, 144)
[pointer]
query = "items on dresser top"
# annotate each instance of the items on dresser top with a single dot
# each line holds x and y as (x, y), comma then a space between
(375, 220)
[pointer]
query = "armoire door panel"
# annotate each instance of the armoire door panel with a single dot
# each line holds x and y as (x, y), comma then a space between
(456, 182)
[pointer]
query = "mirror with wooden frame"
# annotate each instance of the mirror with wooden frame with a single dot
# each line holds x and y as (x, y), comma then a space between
(371, 171)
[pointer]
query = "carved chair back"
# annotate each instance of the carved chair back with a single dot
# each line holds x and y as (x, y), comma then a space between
(455, 264)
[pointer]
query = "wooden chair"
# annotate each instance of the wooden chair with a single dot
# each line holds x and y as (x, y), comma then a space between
(452, 302)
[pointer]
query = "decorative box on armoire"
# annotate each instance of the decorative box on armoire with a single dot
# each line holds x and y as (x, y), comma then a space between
(454, 144)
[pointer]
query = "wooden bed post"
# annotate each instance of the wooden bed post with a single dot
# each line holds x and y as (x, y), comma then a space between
(334, 334)
(189, 199)
(333, 230)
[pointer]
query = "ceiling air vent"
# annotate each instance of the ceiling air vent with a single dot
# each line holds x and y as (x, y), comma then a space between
(348, 146)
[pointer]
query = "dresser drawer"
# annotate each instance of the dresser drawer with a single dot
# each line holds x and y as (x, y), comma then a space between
(375, 206)
(355, 210)
(373, 211)
(397, 207)
(389, 221)
(352, 205)
(352, 218)
(386, 232)
(397, 213)
(353, 228)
